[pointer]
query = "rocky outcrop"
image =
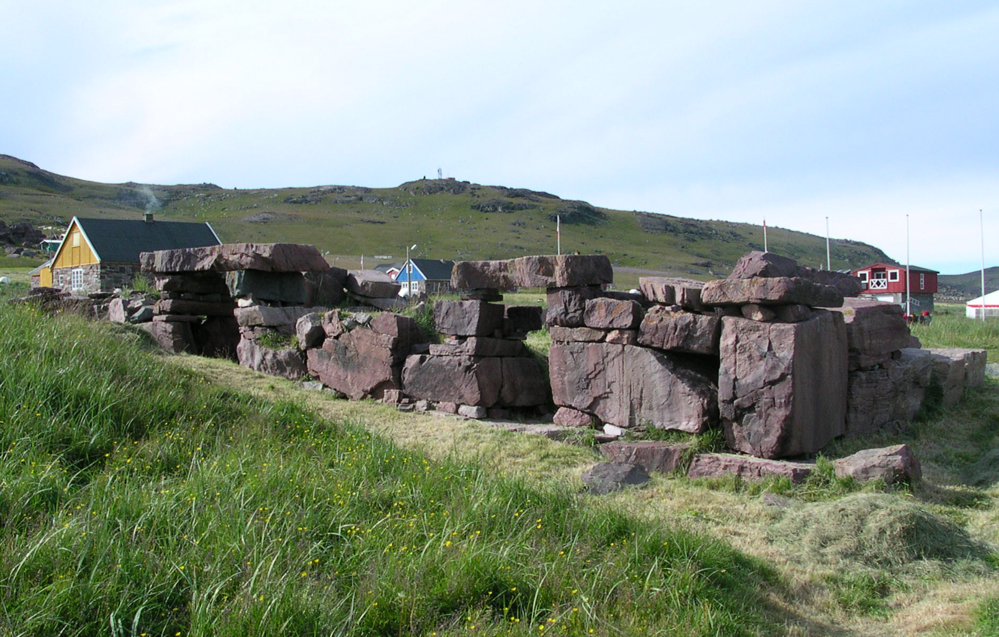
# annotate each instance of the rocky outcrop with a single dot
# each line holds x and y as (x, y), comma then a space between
(627, 386)
(782, 386)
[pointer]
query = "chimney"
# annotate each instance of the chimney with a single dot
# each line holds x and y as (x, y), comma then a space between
(149, 217)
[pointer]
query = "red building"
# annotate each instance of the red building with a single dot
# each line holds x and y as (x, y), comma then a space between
(886, 282)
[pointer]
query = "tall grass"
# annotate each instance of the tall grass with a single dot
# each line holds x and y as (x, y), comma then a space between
(136, 499)
(951, 328)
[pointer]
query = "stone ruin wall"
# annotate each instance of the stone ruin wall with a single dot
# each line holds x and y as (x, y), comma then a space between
(781, 358)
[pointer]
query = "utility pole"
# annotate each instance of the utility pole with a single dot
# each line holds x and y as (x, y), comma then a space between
(828, 263)
(409, 271)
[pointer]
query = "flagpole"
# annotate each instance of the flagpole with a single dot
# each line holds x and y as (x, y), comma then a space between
(558, 232)
(765, 249)
(908, 298)
(981, 223)
(828, 264)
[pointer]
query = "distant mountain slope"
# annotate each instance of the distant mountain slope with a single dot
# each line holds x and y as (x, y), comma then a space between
(968, 286)
(448, 219)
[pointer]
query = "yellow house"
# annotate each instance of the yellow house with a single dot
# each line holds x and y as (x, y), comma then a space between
(99, 255)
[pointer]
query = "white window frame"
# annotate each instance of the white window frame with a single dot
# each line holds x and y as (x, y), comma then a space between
(922, 281)
(862, 276)
(892, 276)
(76, 279)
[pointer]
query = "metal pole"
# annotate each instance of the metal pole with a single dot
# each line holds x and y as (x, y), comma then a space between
(558, 233)
(828, 264)
(981, 223)
(765, 249)
(908, 299)
(409, 290)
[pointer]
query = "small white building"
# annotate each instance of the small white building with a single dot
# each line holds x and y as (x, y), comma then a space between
(989, 304)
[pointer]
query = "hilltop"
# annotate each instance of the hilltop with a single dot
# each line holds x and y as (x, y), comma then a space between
(446, 218)
(964, 287)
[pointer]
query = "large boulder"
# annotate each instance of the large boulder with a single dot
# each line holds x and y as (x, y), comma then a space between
(172, 336)
(268, 316)
(325, 288)
(956, 370)
(874, 330)
(567, 305)
(468, 318)
(361, 363)
(764, 264)
(718, 465)
(612, 314)
(274, 287)
(888, 397)
(192, 283)
(782, 386)
(475, 380)
(654, 456)
(286, 363)
(770, 291)
(565, 270)
(479, 346)
(372, 284)
(667, 330)
(269, 257)
(625, 385)
(891, 464)
(669, 290)
(608, 477)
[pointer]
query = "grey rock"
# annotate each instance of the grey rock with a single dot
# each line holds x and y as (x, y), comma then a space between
(286, 363)
(653, 456)
(874, 330)
(475, 412)
(309, 330)
(891, 464)
(888, 397)
(717, 465)
(611, 314)
(566, 305)
(569, 417)
(608, 477)
(275, 287)
(372, 284)
(757, 312)
(576, 334)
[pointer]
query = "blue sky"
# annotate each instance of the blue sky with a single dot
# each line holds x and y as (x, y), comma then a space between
(864, 112)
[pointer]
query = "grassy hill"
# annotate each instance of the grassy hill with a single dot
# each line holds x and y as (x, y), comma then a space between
(968, 286)
(447, 219)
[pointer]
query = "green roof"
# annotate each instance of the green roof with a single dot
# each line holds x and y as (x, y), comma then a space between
(121, 240)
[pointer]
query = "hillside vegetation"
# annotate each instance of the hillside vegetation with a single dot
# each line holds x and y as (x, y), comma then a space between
(447, 219)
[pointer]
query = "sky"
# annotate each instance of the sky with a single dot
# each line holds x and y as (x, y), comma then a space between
(873, 113)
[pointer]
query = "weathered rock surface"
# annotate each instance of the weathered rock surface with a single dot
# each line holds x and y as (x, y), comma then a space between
(611, 314)
(770, 291)
(465, 380)
(717, 465)
(569, 417)
(269, 257)
(888, 397)
(622, 337)
(275, 287)
(653, 456)
(475, 380)
(533, 271)
(956, 370)
(193, 283)
(197, 308)
(873, 330)
(782, 386)
(479, 346)
(757, 312)
(325, 288)
(608, 477)
(792, 313)
(627, 385)
(309, 330)
(764, 264)
(267, 316)
(173, 337)
(566, 305)
(468, 318)
(891, 464)
(372, 284)
(286, 363)
(360, 363)
(118, 310)
(680, 331)
(576, 334)
(402, 328)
